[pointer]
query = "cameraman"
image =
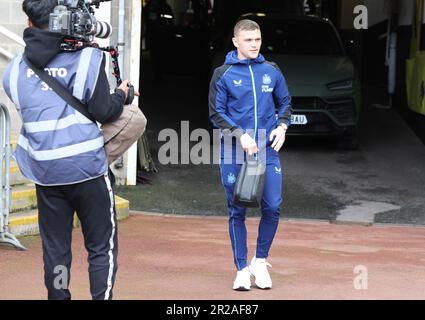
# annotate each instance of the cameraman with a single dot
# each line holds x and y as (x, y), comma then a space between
(62, 151)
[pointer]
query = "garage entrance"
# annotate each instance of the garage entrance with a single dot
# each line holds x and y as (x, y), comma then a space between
(381, 179)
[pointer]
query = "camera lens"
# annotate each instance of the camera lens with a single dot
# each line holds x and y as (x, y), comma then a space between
(103, 30)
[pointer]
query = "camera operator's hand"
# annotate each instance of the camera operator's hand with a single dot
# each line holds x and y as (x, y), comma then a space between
(124, 87)
(129, 91)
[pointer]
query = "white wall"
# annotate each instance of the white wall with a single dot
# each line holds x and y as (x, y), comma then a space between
(14, 19)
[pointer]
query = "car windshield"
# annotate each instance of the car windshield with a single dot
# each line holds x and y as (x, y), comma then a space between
(299, 37)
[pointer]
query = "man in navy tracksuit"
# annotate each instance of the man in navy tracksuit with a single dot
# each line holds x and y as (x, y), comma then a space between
(244, 95)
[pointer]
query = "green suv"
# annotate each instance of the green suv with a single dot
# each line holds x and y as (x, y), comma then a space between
(322, 80)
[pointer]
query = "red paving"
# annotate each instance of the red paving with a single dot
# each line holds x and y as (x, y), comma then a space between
(163, 257)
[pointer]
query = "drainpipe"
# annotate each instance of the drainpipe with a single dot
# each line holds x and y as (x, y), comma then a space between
(121, 28)
(134, 75)
(121, 47)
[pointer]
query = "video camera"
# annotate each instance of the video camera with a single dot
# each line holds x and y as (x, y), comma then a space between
(75, 20)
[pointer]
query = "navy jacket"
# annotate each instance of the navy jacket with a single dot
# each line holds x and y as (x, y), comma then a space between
(249, 95)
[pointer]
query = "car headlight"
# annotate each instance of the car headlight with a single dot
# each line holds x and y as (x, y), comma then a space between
(341, 85)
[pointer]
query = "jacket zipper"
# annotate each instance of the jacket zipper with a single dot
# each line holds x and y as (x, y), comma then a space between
(255, 101)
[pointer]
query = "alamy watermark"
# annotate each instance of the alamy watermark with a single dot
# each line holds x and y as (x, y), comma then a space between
(360, 281)
(201, 146)
(61, 280)
(361, 21)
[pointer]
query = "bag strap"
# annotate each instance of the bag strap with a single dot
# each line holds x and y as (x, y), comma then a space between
(60, 90)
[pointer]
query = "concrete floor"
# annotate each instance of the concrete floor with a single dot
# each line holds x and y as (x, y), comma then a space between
(177, 258)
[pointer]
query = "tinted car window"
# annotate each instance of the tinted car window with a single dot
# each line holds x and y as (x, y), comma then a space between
(299, 37)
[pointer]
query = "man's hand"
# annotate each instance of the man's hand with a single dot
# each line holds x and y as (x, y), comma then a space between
(124, 87)
(248, 144)
(278, 135)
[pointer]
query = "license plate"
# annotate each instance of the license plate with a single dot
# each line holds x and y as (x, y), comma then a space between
(298, 119)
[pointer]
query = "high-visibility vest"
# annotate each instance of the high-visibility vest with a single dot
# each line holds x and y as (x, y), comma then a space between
(57, 145)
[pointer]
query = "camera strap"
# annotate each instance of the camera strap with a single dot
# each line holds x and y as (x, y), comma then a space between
(59, 89)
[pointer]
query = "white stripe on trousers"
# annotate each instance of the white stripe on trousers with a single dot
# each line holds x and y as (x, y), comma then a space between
(111, 239)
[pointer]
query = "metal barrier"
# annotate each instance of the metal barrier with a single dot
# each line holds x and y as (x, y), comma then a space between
(5, 154)
(11, 36)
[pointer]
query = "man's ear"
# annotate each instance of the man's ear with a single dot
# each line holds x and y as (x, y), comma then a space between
(30, 24)
(235, 42)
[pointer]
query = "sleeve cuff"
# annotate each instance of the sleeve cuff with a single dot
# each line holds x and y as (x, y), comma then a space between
(286, 122)
(238, 133)
(121, 93)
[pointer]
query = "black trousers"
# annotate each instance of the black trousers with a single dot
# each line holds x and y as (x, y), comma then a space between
(93, 201)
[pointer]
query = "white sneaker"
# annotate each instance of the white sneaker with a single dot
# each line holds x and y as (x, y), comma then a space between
(243, 280)
(258, 269)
